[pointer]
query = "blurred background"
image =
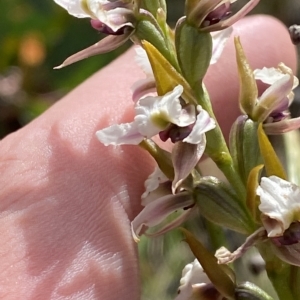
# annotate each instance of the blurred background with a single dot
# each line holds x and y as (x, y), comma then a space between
(36, 36)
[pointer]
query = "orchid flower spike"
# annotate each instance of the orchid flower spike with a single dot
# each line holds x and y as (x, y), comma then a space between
(113, 17)
(214, 15)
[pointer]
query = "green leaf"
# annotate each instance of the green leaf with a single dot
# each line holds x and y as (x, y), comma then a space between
(221, 276)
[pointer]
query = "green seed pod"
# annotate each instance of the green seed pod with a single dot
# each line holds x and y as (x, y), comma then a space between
(194, 51)
(219, 204)
(249, 291)
(244, 146)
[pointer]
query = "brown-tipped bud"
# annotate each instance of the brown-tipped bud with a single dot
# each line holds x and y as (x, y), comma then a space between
(295, 34)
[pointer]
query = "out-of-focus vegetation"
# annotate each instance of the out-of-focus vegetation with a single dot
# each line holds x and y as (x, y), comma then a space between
(36, 36)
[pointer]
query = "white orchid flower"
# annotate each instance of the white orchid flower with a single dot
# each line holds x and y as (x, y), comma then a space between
(113, 17)
(280, 208)
(154, 115)
(272, 106)
(195, 284)
(279, 204)
(165, 115)
(113, 14)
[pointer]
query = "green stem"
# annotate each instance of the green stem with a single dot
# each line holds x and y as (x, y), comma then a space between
(217, 149)
(280, 274)
(216, 235)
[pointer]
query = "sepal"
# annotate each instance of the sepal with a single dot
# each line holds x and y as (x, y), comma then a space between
(107, 44)
(288, 253)
(219, 204)
(185, 157)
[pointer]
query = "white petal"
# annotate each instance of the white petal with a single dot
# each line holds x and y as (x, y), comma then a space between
(143, 117)
(271, 75)
(142, 60)
(280, 204)
(120, 134)
(74, 7)
(219, 41)
(191, 274)
(170, 109)
(154, 114)
(273, 97)
(153, 181)
(115, 18)
(268, 75)
(203, 124)
(142, 88)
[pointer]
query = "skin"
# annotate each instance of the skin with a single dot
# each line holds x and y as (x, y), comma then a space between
(67, 200)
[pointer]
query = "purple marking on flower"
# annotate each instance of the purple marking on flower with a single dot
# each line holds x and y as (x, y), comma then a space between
(220, 13)
(101, 27)
(175, 133)
(290, 236)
